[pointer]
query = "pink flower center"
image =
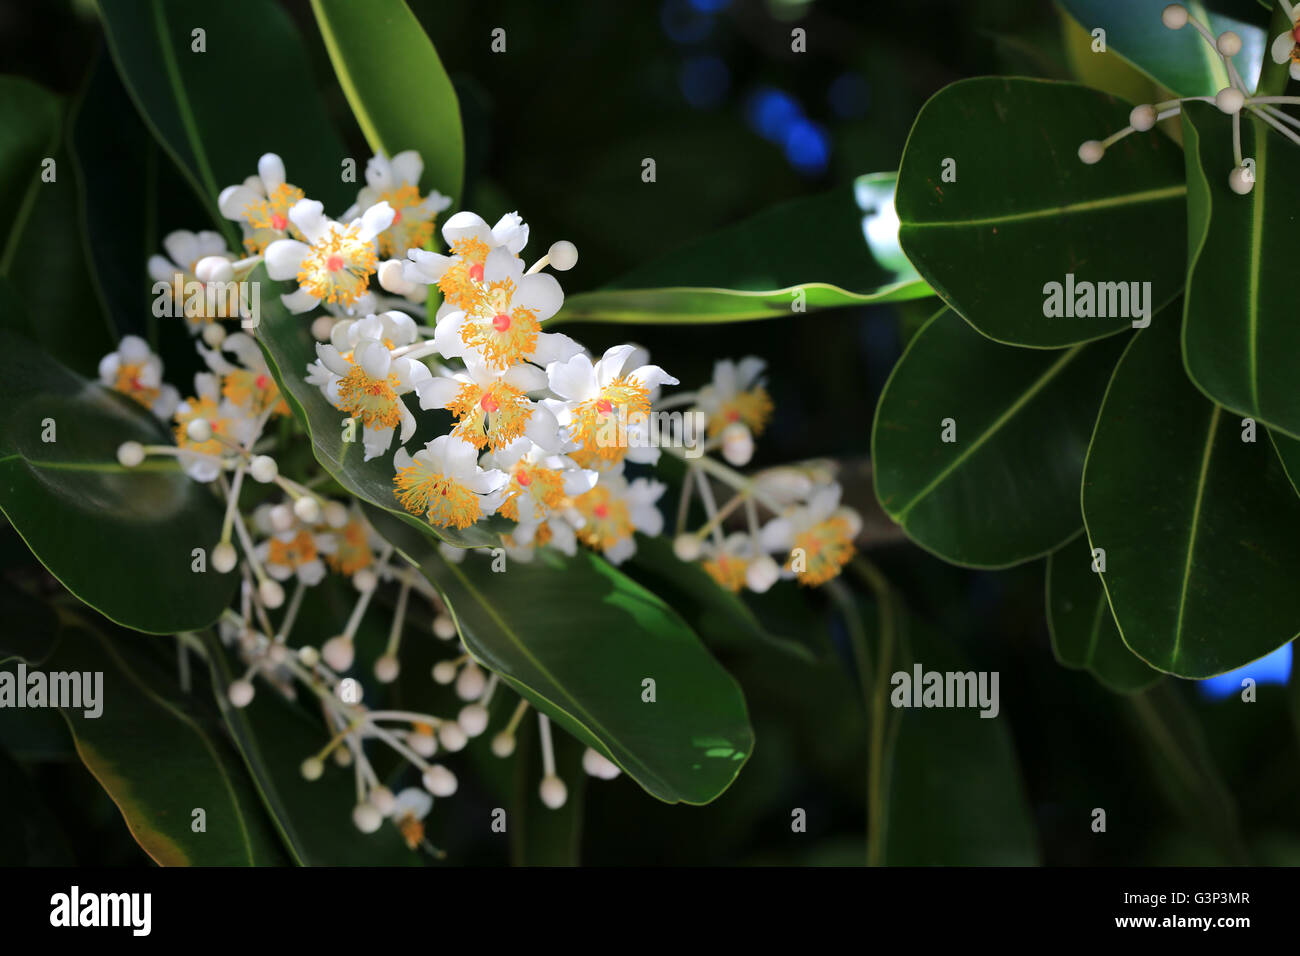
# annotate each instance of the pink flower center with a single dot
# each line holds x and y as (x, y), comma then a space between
(601, 511)
(488, 403)
(524, 478)
(263, 382)
(476, 272)
(501, 322)
(334, 263)
(279, 222)
(604, 406)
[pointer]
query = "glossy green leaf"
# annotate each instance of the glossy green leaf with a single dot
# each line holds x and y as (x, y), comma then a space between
(1007, 490)
(709, 609)
(29, 133)
(1199, 527)
(1240, 338)
(1084, 635)
(577, 638)
(203, 107)
(159, 761)
(1179, 60)
(314, 818)
(290, 349)
(837, 249)
(1025, 212)
(100, 528)
(955, 794)
(396, 85)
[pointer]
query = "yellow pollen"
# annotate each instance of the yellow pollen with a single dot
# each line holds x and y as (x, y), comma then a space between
(200, 408)
(353, 549)
(728, 570)
(501, 343)
(607, 518)
(824, 548)
(462, 282)
(339, 266)
(290, 554)
(412, 830)
(128, 383)
(493, 416)
(373, 400)
(600, 424)
(752, 408)
(255, 390)
(443, 501)
(407, 231)
(545, 486)
(269, 218)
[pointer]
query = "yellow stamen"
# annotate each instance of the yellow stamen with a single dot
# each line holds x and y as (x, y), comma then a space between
(600, 423)
(353, 549)
(752, 408)
(407, 231)
(269, 218)
(443, 501)
(339, 266)
(494, 416)
(545, 486)
(458, 284)
(301, 549)
(373, 400)
(728, 570)
(607, 518)
(824, 548)
(128, 383)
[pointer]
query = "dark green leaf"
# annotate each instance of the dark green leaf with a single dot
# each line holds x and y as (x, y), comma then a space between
(100, 528)
(577, 638)
(1083, 631)
(1007, 489)
(1024, 211)
(839, 248)
(396, 86)
(1199, 527)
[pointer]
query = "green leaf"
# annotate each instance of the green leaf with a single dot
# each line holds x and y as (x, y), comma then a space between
(1179, 60)
(203, 109)
(119, 539)
(1007, 490)
(159, 762)
(577, 638)
(394, 81)
(289, 351)
(313, 817)
(1240, 337)
(30, 118)
(838, 249)
(1025, 211)
(1084, 635)
(711, 610)
(955, 795)
(1200, 528)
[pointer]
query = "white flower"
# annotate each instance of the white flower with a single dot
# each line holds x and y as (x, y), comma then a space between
(335, 262)
(540, 481)
(610, 512)
(202, 460)
(469, 239)
(1286, 46)
(136, 372)
(261, 205)
(397, 182)
(248, 382)
(492, 407)
(368, 383)
(817, 536)
(444, 484)
(606, 407)
(195, 257)
(736, 396)
(501, 317)
(296, 551)
(394, 329)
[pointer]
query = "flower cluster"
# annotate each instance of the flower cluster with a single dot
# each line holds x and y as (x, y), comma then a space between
(1232, 99)
(534, 430)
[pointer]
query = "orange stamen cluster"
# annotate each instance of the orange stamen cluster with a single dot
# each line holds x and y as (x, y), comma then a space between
(352, 552)
(728, 570)
(299, 550)
(826, 548)
(269, 218)
(255, 390)
(374, 401)
(128, 383)
(545, 486)
(607, 519)
(442, 500)
(200, 408)
(601, 423)
(461, 283)
(753, 408)
(406, 232)
(493, 416)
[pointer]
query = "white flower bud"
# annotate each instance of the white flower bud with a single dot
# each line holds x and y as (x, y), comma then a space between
(214, 333)
(199, 430)
(382, 798)
(1091, 152)
(444, 627)
(271, 593)
(444, 672)
(598, 765)
(365, 580)
(322, 327)
(439, 781)
(503, 744)
(386, 669)
(308, 656)
(307, 509)
(214, 269)
(339, 652)
(311, 768)
(224, 557)
(391, 278)
(426, 745)
(367, 817)
(473, 719)
(563, 255)
(1229, 43)
(130, 454)
(470, 683)
(687, 547)
(263, 468)
(1230, 100)
(240, 693)
(1241, 180)
(761, 574)
(1142, 118)
(1174, 16)
(451, 736)
(737, 444)
(343, 756)
(553, 792)
(336, 514)
(281, 517)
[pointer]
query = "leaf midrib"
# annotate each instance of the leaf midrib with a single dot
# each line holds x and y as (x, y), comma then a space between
(1206, 454)
(1111, 202)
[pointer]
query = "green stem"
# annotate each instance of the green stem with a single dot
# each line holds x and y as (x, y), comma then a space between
(888, 623)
